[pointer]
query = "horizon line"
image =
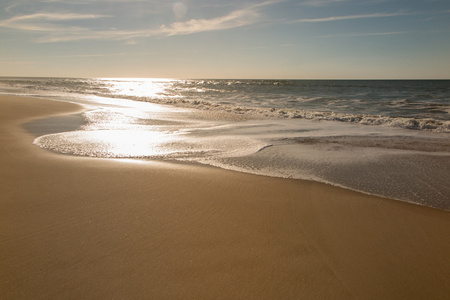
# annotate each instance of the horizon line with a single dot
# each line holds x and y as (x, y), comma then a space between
(217, 78)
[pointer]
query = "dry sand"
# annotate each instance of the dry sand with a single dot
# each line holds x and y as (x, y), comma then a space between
(85, 228)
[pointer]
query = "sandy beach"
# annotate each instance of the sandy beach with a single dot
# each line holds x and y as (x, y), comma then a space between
(84, 228)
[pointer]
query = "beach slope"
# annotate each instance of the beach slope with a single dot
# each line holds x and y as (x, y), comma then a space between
(85, 228)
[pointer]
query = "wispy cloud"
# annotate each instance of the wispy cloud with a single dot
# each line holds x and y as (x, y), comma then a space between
(238, 18)
(351, 17)
(54, 31)
(11, 7)
(55, 17)
(270, 46)
(43, 21)
(321, 2)
(365, 34)
(428, 32)
(235, 19)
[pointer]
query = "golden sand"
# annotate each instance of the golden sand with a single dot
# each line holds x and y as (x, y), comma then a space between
(85, 228)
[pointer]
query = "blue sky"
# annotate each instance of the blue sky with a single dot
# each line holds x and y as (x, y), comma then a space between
(310, 39)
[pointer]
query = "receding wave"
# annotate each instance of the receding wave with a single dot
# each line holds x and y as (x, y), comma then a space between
(268, 128)
(427, 124)
(419, 105)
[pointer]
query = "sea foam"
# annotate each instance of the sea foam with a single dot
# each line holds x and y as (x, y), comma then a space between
(354, 134)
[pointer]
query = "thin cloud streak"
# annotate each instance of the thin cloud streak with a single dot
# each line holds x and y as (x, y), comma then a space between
(34, 22)
(365, 34)
(269, 47)
(235, 19)
(351, 17)
(56, 17)
(319, 3)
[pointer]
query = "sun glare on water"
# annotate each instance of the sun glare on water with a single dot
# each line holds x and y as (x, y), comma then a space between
(110, 143)
(123, 143)
(144, 87)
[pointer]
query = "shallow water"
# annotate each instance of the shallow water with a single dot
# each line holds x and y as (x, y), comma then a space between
(387, 159)
(412, 104)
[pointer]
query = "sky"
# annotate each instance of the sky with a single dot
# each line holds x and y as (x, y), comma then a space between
(273, 39)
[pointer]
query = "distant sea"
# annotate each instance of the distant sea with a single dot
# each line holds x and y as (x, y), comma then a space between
(384, 137)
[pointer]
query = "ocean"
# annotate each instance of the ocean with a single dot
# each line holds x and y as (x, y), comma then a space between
(383, 137)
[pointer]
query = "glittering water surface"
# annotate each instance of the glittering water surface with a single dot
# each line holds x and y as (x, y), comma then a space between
(416, 104)
(384, 138)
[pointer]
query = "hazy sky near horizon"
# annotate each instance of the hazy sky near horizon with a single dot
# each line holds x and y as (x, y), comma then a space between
(303, 39)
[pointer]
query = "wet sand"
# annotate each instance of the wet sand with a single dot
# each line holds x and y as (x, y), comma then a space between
(85, 228)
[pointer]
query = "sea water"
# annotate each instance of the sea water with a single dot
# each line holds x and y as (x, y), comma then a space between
(382, 137)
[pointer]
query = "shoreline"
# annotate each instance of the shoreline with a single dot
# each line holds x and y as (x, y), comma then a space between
(433, 197)
(78, 227)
